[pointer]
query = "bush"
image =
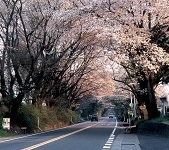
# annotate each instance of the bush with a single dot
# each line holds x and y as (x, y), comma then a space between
(67, 116)
(160, 119)
(2, 132)
(27, 117)
(5, 133)
(49, 118)
(150, 126)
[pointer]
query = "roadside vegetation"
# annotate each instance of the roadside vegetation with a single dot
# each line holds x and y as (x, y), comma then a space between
(4, 133)
(159, 126)
(40, 119)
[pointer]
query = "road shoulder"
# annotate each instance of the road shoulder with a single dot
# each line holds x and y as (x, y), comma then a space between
(126, 142)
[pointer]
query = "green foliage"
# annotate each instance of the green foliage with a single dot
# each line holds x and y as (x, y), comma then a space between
(48, 118)
(160, 119)
(158, 126)
(92, 108)
(67, 116)
(27, 117)
(104, 111)
(4, 133)
(119, 110)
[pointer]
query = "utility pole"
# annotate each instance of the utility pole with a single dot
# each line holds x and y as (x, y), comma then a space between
(133, 104)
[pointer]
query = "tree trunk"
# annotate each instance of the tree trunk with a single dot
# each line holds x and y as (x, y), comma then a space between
(151, 100)
(15, 107)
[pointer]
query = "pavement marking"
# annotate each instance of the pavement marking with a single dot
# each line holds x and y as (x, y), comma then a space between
(109, 142)
(110, 139)
(106, 146)
(21, 137)
(58, 138)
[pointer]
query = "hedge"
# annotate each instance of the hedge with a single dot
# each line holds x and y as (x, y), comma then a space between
(153, 128)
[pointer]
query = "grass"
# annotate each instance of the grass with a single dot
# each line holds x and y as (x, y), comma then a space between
(4, 133)
(160, 119)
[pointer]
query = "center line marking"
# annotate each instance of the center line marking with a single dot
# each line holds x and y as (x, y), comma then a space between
(55, 139)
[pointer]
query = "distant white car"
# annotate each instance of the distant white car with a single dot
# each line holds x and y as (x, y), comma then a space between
(111, 115)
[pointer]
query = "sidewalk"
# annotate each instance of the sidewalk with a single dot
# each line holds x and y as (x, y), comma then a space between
(126, 142)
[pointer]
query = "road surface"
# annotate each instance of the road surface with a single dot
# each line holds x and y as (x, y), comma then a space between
(84, 136)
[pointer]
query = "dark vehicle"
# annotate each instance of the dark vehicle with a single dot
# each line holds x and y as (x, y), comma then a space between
(94, 118)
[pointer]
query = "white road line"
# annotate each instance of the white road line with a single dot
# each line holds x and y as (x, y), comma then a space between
(109, 143)
(55, 139)
(20, 137)
(110, 139)
(115, 128)
(106, 146)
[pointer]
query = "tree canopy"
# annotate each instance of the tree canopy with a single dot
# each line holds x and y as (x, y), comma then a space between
(56, 52)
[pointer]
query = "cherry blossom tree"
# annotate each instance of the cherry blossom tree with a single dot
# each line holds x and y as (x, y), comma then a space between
(43, 43)
(48, 47)
(132, 48)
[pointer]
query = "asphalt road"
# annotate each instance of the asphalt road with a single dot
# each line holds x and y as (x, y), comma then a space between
(84, 136)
